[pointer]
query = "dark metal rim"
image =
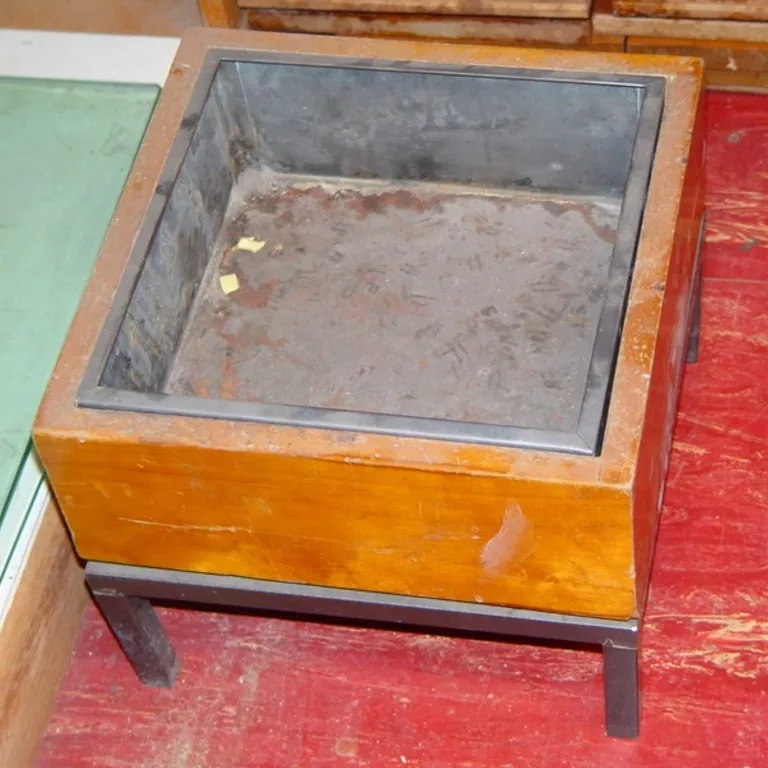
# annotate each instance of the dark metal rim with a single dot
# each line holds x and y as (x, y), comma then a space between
(587, 438)
(356, 605)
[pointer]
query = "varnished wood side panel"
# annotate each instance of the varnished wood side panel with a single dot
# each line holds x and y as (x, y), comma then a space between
(546, 9)
(686, 29)
(755, 10)
(668, 364)
(555, 547)
(220, 13)
(37, 639)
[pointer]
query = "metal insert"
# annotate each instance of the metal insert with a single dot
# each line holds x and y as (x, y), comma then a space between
(446, 251)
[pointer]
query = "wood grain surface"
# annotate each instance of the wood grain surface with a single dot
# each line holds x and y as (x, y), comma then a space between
(691, 29)
(547, 9)
(446, 535)
(728, 63)
(717, 55)
(257, 691)
(474, 29)
(669, 364)
(747, 82)
(37, 638)
(126, 17)
(548, 33)
(755, 10)
(482, 523)
(220, 13)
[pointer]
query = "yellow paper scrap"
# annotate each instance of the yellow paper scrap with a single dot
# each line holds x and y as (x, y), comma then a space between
(229, 283)
(250, 244)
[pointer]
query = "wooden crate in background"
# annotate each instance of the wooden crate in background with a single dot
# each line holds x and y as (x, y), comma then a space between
(741, 10)
(526, 32)
(544, 23)
(544, 9)
(728, 63)
(730, 36)
(725, 34)
(606, 23)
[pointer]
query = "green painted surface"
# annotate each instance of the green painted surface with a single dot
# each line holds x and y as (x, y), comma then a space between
(65, 152)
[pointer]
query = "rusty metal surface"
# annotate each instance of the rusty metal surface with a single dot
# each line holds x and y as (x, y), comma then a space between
(424, 300)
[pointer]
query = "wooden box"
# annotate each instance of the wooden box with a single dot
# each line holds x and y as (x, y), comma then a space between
(393, 317)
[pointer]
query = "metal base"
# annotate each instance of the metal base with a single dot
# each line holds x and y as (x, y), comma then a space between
(123, 594)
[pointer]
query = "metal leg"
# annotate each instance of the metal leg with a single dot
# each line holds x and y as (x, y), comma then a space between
(622, 691)
(140, 634)
(692, 355)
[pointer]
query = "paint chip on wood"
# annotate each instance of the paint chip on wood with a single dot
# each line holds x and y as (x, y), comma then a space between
(229, 283)
(503, 547)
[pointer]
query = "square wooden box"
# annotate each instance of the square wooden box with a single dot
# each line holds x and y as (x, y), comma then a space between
(396, 187)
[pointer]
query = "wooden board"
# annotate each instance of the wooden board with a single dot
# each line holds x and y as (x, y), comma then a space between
(547, 9)
(424, 517)
(220, 13)
(435, 526)
(467, 29)
(128, 17)
(744, 10)
(752, 82)
(652, 463)
(425, 27)
(37, 638)
(728, 64)
(724, 56)
(690, 29)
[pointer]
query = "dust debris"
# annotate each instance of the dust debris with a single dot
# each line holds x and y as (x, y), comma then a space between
(229, 283)
(250, 244)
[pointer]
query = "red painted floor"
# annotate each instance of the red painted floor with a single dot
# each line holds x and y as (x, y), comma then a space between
(277, 694)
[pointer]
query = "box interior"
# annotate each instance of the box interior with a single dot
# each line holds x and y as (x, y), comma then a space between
(435, 245)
